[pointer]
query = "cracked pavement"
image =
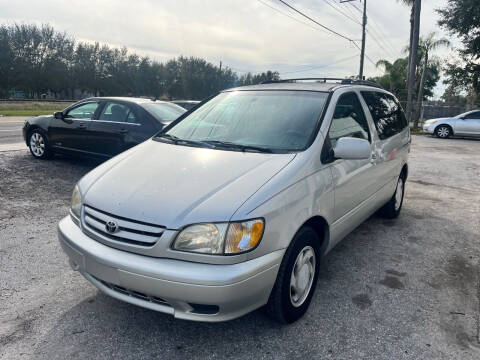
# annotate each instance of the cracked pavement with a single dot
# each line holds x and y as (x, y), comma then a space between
(402, 289)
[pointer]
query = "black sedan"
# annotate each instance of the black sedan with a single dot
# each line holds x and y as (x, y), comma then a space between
(99, 127)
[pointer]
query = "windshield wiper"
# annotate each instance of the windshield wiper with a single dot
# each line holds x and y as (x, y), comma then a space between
(231, 145)
(168, 137)
(177, 141)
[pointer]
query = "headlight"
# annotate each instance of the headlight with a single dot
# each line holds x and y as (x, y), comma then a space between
(76, 207)
(220, 238)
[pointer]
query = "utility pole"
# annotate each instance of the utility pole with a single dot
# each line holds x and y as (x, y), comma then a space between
(364, 27)
(412, 66)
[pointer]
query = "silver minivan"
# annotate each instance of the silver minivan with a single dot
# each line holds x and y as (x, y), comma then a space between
(232, 206)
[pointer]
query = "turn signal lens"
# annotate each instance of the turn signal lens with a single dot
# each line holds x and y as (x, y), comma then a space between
(220, 238)
(243, 236)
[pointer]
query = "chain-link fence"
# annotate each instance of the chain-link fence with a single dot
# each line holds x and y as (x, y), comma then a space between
(432, 111)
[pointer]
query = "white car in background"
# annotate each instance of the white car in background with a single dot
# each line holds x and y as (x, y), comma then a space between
(466, 124)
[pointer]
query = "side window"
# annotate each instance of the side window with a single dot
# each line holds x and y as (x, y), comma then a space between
(116, 112)
(131, 117)
(348, 120)
(473, 115)
(84, 111)
(387, 113)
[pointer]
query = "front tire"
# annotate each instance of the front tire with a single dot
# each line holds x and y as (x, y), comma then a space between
(443, 131)
(392, 209)
(297, 278)
(38, 145)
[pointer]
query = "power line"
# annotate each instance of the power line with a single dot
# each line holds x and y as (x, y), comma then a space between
(382, 34)
(316, 22)
(341, 12)
(379, 44)
(357, 22)
(320, 66)
(358, 47)
(352, 14)
(293, 18)
(319, 24)
(356, 7)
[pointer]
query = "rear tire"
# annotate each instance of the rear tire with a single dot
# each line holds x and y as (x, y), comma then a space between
(38, 144)
(443, 131)
(297, 278)
(392, 208)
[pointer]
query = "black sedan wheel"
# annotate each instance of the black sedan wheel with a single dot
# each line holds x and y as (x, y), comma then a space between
(38, 145)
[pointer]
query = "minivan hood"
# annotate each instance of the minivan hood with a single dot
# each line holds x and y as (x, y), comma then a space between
(173, 186)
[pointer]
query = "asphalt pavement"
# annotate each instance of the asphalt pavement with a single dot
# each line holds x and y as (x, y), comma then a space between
(401, 289)
(11, 132)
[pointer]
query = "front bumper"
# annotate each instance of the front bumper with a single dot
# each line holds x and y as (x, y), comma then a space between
(187, 290)
(428, 128)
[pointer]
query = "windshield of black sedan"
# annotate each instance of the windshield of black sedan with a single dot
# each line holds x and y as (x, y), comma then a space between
(276, 120)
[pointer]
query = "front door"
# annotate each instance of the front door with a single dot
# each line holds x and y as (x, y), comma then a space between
(352, 178)
(469, 124)
(71, 132)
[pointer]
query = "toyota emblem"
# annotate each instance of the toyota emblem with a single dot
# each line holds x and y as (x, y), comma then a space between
(111, 226)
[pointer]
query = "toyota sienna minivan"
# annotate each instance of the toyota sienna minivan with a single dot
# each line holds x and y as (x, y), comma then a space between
(232, 206)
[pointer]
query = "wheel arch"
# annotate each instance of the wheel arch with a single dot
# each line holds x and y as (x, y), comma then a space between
(33, 127)
(321, 227)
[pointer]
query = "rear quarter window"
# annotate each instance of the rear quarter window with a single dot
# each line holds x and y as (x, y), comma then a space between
(386, 112)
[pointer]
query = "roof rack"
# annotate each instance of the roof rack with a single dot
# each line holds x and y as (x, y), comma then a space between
(342, 81)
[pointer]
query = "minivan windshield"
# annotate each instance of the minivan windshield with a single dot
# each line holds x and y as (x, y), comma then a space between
(257, 120)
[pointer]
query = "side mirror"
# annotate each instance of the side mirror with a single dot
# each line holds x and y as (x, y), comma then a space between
(58, 115)
(350, 148)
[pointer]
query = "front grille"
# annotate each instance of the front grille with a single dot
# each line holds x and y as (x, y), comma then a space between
(132, 293)
(128, 231)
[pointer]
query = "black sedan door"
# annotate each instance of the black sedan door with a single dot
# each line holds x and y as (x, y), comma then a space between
(71, 132)
(119, 127)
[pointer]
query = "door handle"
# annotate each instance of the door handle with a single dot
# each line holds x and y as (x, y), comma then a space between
(123, 131)
(81, 126)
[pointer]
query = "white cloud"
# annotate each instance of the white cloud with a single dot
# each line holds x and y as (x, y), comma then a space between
(245, 35)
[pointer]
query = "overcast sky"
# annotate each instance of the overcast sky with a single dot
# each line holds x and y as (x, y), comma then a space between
(246, 35)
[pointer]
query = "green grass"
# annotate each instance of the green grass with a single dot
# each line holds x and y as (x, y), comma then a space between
(23, 112)
(418, 131)
(30, 108)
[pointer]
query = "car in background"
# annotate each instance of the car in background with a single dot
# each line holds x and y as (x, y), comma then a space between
(99, 127)
(186, 104)
(466, 124)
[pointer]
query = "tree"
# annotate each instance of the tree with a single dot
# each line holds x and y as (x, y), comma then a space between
(395, 75)
(462, 18)
(37, 59)
(252, 79)
(413, 48)
(426, 46)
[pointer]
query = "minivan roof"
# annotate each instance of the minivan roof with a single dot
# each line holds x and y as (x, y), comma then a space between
(307, 84)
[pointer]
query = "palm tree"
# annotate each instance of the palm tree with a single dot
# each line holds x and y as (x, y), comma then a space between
(413, 47)
(394, 76)
(426, 46)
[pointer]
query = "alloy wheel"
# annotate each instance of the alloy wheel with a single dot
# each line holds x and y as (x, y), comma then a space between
(37, 144)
